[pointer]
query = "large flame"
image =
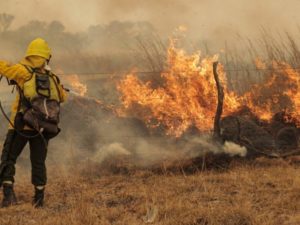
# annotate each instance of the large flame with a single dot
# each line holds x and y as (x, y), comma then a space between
(187, 97)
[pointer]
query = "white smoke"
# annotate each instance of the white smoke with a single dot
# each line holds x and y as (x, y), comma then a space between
(148, 152)
(233, 149)
(110, 150)
(198, 146)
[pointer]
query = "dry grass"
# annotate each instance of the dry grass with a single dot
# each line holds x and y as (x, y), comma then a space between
(266, 192)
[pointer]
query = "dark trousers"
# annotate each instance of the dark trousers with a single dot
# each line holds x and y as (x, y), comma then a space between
(13, 146)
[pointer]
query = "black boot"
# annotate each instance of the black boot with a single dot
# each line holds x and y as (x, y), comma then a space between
(38, 199)
(9, 197)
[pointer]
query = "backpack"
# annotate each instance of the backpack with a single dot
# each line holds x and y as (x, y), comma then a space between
(39, 105)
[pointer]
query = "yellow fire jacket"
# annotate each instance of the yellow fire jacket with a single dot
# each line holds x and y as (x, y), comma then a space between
(20, 75)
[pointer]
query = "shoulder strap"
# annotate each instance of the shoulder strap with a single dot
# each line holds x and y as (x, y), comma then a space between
(56, 83)
(23, 101)
(30, 70)
(56, 77)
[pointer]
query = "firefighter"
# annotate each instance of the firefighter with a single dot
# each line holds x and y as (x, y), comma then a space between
(34, 80)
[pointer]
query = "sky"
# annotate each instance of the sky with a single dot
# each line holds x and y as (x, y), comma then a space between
(201, 17)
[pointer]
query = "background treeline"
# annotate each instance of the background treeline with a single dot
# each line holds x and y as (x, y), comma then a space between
(101, 47)
(120, 46)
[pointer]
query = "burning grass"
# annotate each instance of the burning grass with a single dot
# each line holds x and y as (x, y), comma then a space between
(187, 95)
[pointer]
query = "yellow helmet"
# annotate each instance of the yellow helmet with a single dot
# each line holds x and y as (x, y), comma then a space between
(39, 47)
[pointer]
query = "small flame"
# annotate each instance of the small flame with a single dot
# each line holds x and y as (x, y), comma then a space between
(260, 64)
(182, 28)
(77, 86)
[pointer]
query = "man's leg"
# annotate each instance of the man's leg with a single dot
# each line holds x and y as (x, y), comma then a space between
(12, 148)
(7, 144)
(38, 154)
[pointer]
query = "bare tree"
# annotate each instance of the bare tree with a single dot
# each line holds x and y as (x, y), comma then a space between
(5, 21)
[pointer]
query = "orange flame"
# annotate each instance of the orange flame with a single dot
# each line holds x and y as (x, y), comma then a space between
(76, 85)
(280, 92)
(186, 95)
(187, 98)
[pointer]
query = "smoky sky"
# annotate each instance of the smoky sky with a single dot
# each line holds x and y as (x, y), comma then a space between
(201, 17)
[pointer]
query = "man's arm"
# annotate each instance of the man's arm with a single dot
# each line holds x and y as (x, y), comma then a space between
(15, 72)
